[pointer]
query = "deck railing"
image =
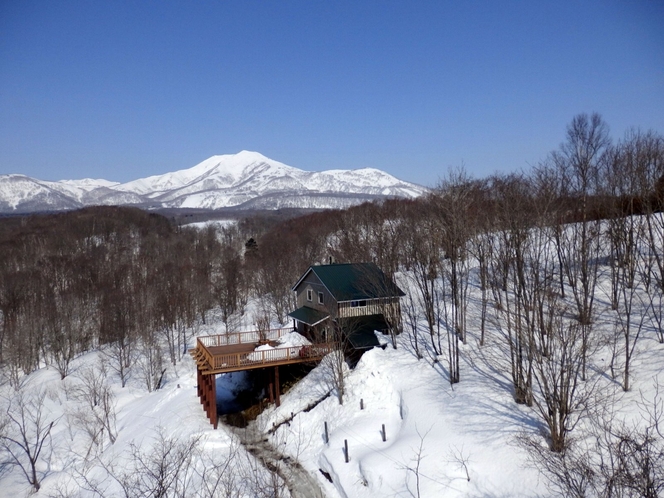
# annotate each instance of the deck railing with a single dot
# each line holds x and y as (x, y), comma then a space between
(218, 361)
(269, 357)
(232, 338)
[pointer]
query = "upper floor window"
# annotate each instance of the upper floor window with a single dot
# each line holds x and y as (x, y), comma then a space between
(310, 295)
(321, 298)
(358, 304)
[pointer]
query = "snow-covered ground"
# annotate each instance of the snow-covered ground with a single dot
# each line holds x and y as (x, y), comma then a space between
(287, 346)
(462, 438)
(441, 440)
(428, 424)
(202, 225)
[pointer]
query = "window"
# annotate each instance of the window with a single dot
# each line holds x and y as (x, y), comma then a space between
(310, 295)
(358, 304)
(320, 298)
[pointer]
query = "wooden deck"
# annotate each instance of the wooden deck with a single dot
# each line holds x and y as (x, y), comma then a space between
(234, 352)
(216, 354)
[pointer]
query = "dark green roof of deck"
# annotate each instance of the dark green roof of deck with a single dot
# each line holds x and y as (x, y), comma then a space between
(360, 330)
(308, 315)
(354, 281)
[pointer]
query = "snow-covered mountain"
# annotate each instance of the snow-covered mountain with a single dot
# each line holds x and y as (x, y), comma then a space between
(246, 179)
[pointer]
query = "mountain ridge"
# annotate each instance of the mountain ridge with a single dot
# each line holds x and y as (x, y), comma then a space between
(220, 181)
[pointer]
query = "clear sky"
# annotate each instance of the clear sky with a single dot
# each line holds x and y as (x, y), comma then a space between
(125, 89)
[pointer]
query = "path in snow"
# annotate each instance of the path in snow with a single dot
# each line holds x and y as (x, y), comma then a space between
(300, 483)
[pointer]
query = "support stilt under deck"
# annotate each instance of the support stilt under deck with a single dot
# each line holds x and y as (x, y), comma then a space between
(277, 386)
(273, 386)
(270, 384)
(213, 400)
(207, 392)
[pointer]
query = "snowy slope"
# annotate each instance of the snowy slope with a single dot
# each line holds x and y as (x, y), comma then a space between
(246, 179)
(474, 421)
(458, 441)
(19, 192)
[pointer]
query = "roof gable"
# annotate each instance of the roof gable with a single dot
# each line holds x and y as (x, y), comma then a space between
(310, 316)
(354, 281)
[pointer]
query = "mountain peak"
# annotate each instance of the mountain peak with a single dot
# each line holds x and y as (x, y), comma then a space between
(246, 179)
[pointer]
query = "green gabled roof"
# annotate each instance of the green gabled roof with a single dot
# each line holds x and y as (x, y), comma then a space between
(308, 315)
(354, 281)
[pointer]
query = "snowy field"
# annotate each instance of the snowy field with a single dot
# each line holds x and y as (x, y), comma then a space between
(220, 224)
(441, 440)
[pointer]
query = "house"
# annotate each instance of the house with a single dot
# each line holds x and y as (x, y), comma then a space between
(353, 299)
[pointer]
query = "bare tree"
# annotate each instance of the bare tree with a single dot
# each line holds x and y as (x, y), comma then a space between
(27, 437)
(416, 462)
(334, 364)
(480, 248)
(372, 281)
(121, 355)
(70, 329)
(447, 315)
(218, 474)
(423, 243)
(561, 399)
(579, 162)
(515, 276)
(13, 294)
(458, 196)
(163, 469)
(227, 280)
(261, 317)
(651, 158)
(97, 413)
(150, 364)
(259, 483)
(627, 232)
(412, 317)
(617, 459)
(275, 271)
(117, 327)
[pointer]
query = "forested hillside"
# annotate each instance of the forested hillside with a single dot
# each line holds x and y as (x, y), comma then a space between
(561, 266)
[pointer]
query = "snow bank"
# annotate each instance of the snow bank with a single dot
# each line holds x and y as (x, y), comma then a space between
(287, 346)
(427, 423)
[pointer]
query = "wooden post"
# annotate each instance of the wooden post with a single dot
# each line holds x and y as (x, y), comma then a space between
(208, 398)
(213, 401)
(362, 404)
(199, 387)
(204, 397)
(346, 450)
(270, 385)
(277, 388)
(384, 434)
(327, 435)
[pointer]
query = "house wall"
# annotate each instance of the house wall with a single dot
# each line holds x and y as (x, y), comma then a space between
(317, 333)
(389, 307)
(312, 282)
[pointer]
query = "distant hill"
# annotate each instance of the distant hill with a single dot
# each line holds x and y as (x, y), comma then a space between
(245, 180)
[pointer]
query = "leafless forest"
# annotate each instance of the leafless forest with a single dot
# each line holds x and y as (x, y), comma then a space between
(534, 244)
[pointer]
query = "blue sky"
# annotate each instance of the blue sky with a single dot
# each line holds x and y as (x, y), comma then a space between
(125, 89)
